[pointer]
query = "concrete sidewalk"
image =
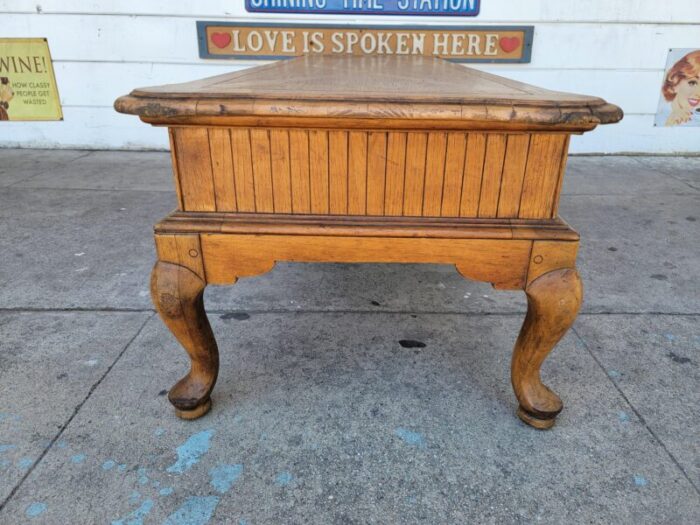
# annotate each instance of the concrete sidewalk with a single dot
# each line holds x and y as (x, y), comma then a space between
(320, 415)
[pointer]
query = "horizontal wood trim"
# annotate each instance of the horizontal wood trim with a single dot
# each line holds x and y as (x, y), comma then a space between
(187, 222)
(228, 257)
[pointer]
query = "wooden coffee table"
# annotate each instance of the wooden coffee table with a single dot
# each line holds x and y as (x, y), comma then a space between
(368, 160)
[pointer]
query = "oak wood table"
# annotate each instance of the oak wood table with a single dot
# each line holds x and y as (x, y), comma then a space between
(368, 159)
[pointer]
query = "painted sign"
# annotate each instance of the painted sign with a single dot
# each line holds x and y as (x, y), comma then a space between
(484, 44)
(367, 7)
(680, 90)
(28, 88)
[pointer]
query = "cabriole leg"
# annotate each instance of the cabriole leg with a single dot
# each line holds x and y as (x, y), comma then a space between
(178, 293)
(554, 300)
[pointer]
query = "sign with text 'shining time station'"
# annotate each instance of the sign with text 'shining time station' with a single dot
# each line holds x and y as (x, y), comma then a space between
(368, 7)
(485, 44)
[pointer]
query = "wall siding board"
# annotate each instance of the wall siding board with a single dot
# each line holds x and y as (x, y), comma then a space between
(91, 76)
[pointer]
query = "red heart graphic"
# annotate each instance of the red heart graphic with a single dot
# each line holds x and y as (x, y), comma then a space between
(221, 40)
(510, 44)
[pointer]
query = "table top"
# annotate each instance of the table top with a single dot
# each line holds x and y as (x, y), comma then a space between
(369, 87)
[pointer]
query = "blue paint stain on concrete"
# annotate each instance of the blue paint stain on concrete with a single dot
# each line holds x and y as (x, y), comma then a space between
(135, 497)
(623, 416)
(25, 463)
(614, 374)
(284, 478)
(242, 522)
(167, 491)
(224, 476)
(143, 478)
(189, 453)
(670, 337)
(409, 437)
(137, 516)
(78, 458)
(155, 484)
(35, 509)
(122, 467)
(196, 510)
(159, 432)
(108, 465)
(61, 444)
(640, 481)
(5, 448)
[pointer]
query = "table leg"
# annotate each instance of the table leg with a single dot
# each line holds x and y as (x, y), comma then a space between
(553, 303)
(178, 293)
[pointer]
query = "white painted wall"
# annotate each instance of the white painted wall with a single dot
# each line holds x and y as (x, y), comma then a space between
(103, 48)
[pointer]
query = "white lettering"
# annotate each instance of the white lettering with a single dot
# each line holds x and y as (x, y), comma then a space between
(457, 44)
(351, 39)
(337, 40)
(474, 45)
(287, 41)
(271, 37)
(237, 41)
(402, 43)
(384, 46)
(418, 43)
(368, 43)
(255, 41)
(440, 44)
(491, 41)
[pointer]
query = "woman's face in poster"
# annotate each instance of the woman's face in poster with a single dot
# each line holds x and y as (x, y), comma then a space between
(688, 93)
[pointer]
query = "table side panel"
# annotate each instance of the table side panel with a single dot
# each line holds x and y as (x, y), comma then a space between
(376, 173)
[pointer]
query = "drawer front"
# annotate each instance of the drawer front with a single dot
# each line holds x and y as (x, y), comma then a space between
(374, 173)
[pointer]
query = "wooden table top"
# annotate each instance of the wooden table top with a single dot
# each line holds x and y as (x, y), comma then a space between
(369, 87)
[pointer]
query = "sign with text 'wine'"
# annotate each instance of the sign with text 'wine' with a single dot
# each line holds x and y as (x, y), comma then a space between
(28, 88)
(486, 44)
(367, 7)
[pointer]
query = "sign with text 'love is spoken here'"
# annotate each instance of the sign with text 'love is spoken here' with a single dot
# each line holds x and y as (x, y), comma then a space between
(484, 44)
(367, 7)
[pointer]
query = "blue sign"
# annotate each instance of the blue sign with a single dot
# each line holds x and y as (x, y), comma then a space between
(367, 7)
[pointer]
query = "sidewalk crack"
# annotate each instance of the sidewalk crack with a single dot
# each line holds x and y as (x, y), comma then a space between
(75, 413)
(636, 412)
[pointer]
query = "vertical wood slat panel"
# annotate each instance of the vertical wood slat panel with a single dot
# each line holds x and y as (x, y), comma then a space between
(434, 174)
(222, 167)
(338, 172)
(416, 149)
(262, 170)
(243, 170)
(493, 172)
(513, 175)
(473, 172)
(560, 181)
(541, 176)
(195, 171)
(357, 173)
(454, 172)
(395, 174)
(318, 170)
(281, 171)
(176, 173)
(299, 164)
(376, 172)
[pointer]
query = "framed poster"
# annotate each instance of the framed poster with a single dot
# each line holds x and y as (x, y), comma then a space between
(680, 90)
(28, 89)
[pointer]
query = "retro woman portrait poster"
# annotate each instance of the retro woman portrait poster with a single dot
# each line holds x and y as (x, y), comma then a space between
(680, 91)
